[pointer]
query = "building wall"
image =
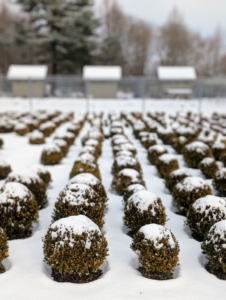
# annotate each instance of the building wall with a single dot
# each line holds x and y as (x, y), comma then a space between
(26, 89)
(102, 90)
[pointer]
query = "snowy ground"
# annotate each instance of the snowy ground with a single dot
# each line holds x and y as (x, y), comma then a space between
(27, 276)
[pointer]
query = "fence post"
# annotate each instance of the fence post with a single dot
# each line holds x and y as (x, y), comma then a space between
(143, 97)
(200, 98)
(29, 82)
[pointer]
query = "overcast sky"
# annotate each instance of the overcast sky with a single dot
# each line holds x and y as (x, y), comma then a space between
(201, 15)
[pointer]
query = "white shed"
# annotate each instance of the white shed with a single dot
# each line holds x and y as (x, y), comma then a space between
(176, 81)
(27, 80)
(102, 81)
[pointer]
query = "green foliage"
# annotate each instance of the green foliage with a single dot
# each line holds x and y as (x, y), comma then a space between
(64, 32)
(156, 263)
(3, 249)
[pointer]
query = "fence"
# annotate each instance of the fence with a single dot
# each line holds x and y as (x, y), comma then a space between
(128, 88)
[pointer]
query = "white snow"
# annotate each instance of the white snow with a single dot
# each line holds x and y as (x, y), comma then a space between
(4, 164)
(36, 134)
(143, 199)
(179, 172)
(77, 193)
(26, 72)
(176, 73)
(207, 161)
(102, 73)
(208, 203)
(133, 174)
(191, 183)
(51, 148)
(135, 188)
(197, 146)
(39, 169)
(123, 160)
(155, 233)
(219, 145)
(25, 175)
(221, 174)
(167, 158)
(157, 148)
(12, 190)
(85, 178)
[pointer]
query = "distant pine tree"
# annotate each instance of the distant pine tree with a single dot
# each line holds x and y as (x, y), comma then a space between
(63, 31)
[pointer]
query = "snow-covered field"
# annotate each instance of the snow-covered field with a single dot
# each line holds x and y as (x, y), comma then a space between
(27, 276)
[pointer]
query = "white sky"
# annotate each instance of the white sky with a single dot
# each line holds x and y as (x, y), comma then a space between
(201, 15)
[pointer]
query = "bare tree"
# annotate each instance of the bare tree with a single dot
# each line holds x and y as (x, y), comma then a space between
(174, 41)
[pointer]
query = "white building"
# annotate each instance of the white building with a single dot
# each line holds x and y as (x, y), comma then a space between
(102, 81)
(27, 80)
(176, 82)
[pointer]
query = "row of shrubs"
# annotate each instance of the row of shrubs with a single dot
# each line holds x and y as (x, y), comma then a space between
(192, 196)
(74, 245)
(144, 213)
(21, 197)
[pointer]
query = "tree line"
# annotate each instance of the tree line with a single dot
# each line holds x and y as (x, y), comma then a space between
(68, 34)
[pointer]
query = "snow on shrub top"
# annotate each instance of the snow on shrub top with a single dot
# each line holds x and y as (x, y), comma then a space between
(143, 199)
(47, 125)
(191, 183)
(218, 145)
(182, 139)
(126, 146)
(36, 134)
(91, 142)
(87, 157)
(167, 158)
(155, 233)
(85, 178)
(124, 153)
(133, 174)
(26, 176)
(217, 231)
(4, 163)
(136, 188)
(64, 135)
(77, 225)
(163, 130)
(139, 125)
(197, 146)
(184, 130)
(20, 126)
(221, 174)
(207, 161)
(157, 148)
(124, 160)
(209, 202)
(51, 148)
(13, 190)
(60, 142)
(179, 172)
(76, 194)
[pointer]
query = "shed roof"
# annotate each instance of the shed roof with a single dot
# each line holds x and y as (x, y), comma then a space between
(102, 73)
(25, 72)
(176, 73)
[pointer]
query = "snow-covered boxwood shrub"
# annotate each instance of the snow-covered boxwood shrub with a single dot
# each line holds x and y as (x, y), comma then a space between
(223, 159)
(79, 199)
(195, 152)
(214, 248)
(93, 182)
(178, 143)
(47, 128)
(204, 213)
(186, 192)
(73, 128)
(167, 163)
(176, 176)
(67, 136)
(81, 166)
(63, 145)
(219, 182)
(3, 249)
(130, 190)
(218, 150)
(154, 152)
(209, 167)
(158, 250)
(75, 248)
(93, 134)
(6, 126)
(142, 208)
(166, 135)
(36, 138)
(18, 210)
(21, 128)
(5, 169)
(42, 172)
(51, 155)
(33, 182)
(97, 145)
(125, 162)
(125, 178)
(125, 146)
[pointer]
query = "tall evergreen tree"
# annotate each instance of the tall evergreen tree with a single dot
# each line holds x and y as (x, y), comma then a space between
(63, 31)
